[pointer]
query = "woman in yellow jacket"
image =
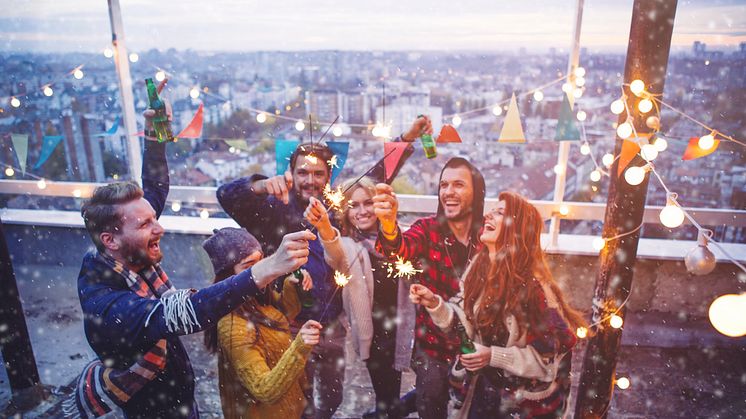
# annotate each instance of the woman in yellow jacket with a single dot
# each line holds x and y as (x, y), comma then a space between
(260, 365)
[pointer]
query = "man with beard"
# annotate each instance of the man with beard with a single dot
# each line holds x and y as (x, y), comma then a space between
(443, 244)
(271, 207)
(134, 315)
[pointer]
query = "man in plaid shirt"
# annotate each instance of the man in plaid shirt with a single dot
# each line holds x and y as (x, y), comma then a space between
(443, 244)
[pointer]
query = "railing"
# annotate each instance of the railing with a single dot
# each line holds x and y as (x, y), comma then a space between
(568, 243)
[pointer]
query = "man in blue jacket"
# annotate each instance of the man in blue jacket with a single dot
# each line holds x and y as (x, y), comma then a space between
(133, 314)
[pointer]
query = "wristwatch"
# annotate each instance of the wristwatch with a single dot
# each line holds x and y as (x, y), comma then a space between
(151, 133)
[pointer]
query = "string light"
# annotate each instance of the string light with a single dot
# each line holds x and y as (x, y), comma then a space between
(538, 96)
(581, 116)
(579, 72)
(337, 131)
(160, 75)
(567, 87)
(616, 321)
(607, 159)
(700, 260)
(48, 91)
(78, 73)
(134, 57)
(653, 122)
(577, 93)
(581, 332)
(176, 206)
(598, 243)
(624, 130)
(649, 152)
(645, 105)
(456, 121)
(77, 193)
(622, 383)
(564, 210)
(108, 53)
(585, 149)
(194, 92)
(660, 144)
(634, 175)
(706, 142)
(580, 81)
(14, 102)
(595, 175)
(204, 214)
(671, 215)
(558, 169)
(41, 184)
(498, 110)
(261, 117)
(726, 315)
(617, 106)
(300, 125)
(9, 171)
(637, 87)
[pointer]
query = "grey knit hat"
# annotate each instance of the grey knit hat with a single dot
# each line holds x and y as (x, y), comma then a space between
(228, 246)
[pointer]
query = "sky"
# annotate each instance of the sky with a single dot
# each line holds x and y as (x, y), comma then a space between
(292, 25)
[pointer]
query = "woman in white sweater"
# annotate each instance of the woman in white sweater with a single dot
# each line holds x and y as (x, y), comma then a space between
(516, 315)
(377, 306)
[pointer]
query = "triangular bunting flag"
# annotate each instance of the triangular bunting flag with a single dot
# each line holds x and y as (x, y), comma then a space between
(629, 150)
(20, 146)
(339, 149)
(393, 154)
(448, 134)
(567, 129)
(283, 150)
(238, 144)
(113, 130)
(694, 151)
(512, 131)
(194, 129)
(49, 143)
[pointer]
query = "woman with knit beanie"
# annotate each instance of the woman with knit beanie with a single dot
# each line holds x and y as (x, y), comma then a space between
(514, 312)
(260, 365)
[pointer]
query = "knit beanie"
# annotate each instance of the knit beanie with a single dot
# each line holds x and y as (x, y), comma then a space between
(228, 246)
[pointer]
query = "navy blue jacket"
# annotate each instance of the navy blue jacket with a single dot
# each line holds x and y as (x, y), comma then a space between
(269, 219)
(114, 316)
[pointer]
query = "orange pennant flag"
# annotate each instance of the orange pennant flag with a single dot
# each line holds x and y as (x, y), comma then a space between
(194, 129)
(629, 151)
(393, 153)
(694, 151)
(448, 134)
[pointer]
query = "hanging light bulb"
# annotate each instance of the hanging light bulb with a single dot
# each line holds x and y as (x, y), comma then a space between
(617, 106)
(41, 184)
(581, 332)
(577, 93)
(261, 117)
(622, 383)
(645, 105)
(567, 87)
(134, 57)
(558, 169)
(48, 91)
(538, 96)
(9, 172)
(498, 110)
(700, 260)
(595, 175)
(607, 159)
(300, 125)
(585, 149)
(14, 102)
(77, 193)
(194, 92)
(671, 215)
(581, 116)
(598, 244)
(653, 122)
(204, 214)
(634, 175)
(176, 206)
(637, 87)
(456, 121)
(108, 53)
(580, 81)
(564, 210)
(726, 315)
(616, 321)
(160, 75)
(649, 152)
(579, 72)
(706, 142)
(337, 131)
(660, 144)
(624, 130)
(78, 73)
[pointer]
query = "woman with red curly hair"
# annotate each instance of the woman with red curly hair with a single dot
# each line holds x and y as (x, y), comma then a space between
(516, 315)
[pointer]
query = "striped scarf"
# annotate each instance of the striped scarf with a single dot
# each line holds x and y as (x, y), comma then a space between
(100, 389)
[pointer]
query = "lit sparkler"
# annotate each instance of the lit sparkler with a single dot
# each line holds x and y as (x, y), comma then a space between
(341, 279)
(334, 197)
(333, 162)
(402, 268)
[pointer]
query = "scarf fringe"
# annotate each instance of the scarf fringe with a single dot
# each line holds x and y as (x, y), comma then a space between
(178, 311)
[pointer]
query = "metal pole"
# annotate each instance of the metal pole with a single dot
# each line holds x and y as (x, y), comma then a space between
(125, 90)
(564, 146)
(647, 60)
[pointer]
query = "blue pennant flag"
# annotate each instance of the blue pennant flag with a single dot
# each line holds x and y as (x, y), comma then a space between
(113, 130)
(283, 150)
(49, 143)
(567, 129)
(339, 149)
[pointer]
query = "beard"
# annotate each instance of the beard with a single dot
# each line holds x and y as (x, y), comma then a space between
(138, 256)
(461, 215)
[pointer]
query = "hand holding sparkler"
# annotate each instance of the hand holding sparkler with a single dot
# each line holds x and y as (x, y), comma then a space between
(386, 206)
(317, 216)
(278, 186)
(420, 294)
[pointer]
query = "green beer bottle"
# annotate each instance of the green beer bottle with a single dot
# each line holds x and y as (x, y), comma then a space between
(428, 144)
(467, 346)
(161, 125)
(305, 296)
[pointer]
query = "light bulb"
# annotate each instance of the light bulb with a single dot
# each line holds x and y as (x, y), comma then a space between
(622, 383)
(194, 93)
(706, 142)
(48, 91)
(649, 152)
(581, 116)
(585, 149)
(660, 144)
(14, 102)
(671, 216)
(616, 321)
(232, 150)
(204, 214)
(595, 175)
(134, 57)
(261, 117)
(726, 314)
(564, 210)
(9, 172)
(624, 130)
(41, 184)
(300, 125)
(77, 193)
(337, 131)
(581, 332)
(645, 105)
(577, 93)
(78, 73)
(607, 159)
(108, 53)
(456, 121)
(653, 122)
(634, 175)
(566, 87)
(538, 96)
(558, 169)
(617, 106)
(637, 87)
(580, 72)
(498, 110)
(598, 244)
(580, 81)
(160, 75)
(176, 206)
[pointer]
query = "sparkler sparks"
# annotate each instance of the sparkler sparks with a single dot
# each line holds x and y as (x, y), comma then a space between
(341, 279)
(334, 197)
(333, 162)
(311, 158)
(402, 268)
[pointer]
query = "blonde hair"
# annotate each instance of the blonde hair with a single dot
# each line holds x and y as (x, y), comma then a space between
(349, 187)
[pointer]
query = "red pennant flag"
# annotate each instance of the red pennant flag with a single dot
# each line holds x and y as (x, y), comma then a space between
(448, 134)
(629, 151)
(392, 152)
(694, 151)
(194, 129)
